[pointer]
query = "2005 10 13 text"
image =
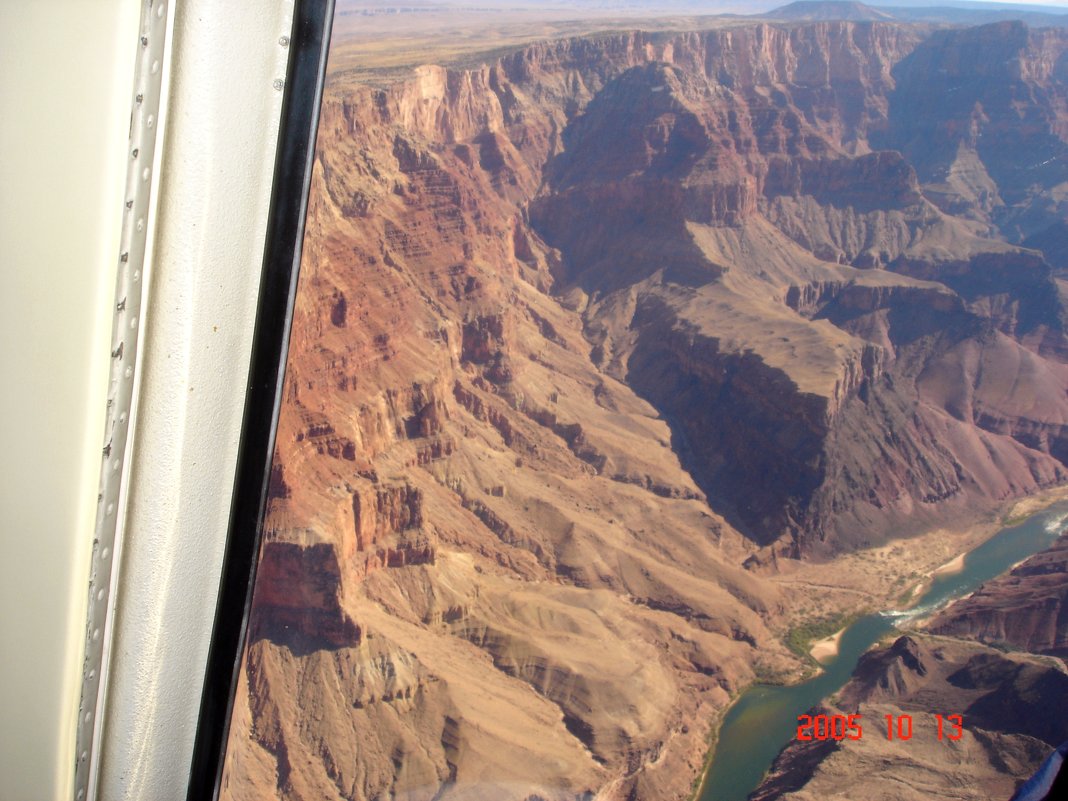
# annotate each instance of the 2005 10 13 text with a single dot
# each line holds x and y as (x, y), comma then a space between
(843, 727)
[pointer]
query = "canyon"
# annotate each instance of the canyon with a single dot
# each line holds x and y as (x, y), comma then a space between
(595, 337)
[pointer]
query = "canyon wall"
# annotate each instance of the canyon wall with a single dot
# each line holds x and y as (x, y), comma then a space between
(587, 337)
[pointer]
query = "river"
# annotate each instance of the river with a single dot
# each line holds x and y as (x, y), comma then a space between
(764, 718)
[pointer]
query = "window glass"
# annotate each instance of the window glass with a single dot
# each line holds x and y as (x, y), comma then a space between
(639, 354)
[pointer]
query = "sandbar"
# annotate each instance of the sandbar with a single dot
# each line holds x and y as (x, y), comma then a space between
(955, 565)
(827, 648)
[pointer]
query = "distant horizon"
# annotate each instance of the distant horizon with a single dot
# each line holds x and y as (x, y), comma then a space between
(696, 6)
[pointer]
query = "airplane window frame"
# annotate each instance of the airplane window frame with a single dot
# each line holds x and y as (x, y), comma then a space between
(303, 92)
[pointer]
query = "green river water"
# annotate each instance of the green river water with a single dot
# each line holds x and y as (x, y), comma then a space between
(764, 718)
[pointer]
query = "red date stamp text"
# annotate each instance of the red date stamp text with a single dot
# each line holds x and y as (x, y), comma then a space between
(850, 727)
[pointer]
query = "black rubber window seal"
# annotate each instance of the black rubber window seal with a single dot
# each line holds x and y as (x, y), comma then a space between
(295, 155)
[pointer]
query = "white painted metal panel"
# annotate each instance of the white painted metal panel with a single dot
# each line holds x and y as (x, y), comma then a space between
(66, 74)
